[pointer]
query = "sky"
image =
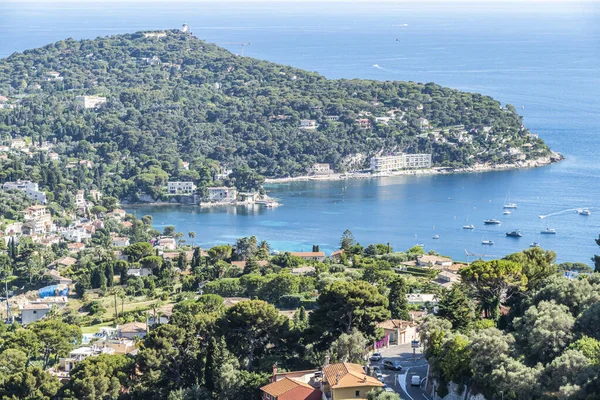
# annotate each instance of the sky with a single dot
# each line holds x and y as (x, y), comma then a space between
(282, 2)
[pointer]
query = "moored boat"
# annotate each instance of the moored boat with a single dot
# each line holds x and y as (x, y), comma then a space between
(492, 221)
(488, 242)
(515, 233)
(549, 231)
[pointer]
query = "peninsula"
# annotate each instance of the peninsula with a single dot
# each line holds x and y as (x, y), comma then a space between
(130, 115)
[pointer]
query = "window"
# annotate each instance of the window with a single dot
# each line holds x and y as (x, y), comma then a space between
(357, 393)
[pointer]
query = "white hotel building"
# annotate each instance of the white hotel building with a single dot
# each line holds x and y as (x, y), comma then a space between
(31, 189)
(400, 161)
(181, 187)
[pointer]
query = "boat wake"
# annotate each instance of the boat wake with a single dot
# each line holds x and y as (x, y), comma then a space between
(570, 210)
(382, 69)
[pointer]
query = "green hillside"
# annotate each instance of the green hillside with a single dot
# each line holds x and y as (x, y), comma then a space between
(178, 98)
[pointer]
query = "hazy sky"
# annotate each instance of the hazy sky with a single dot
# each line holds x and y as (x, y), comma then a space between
(480, 2)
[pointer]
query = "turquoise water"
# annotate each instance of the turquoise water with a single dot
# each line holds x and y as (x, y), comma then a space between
(543, 58)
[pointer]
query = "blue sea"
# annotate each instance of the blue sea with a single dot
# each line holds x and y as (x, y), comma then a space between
(544, 58)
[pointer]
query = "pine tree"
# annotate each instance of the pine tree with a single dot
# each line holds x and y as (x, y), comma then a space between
(397, 299)
(196, 258)
(596, 259)
(181, 261)
(221, 371)
(347, 240)
(457, 308)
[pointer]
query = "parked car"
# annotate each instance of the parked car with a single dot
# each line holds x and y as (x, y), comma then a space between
(376, 357)
(415, 380)
(386, 388)
(375, 371)
(391, 364)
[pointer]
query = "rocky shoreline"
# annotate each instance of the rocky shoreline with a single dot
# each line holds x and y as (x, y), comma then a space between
(538, 162)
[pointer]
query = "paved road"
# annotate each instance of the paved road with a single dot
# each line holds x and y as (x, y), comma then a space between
(400, 381)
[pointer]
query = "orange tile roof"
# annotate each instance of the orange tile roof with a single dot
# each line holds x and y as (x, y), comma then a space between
(394, 324)
(308, 253)
(242, 264)
(282, 386)
(347, 375)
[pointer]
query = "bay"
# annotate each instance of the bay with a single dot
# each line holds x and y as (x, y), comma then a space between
(542, 57)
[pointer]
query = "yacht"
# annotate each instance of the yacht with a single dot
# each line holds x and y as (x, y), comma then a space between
(506, 212)
(492, 222)
(469, 226)
(585, 211)
(515, 233)
(420, 245)
(436, 236)
(534, 244)
(488, 242)
(549, 231)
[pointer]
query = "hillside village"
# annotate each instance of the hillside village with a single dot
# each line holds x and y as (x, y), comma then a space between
(98, 304)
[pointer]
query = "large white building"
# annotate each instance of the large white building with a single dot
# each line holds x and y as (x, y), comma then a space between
(222, 194)
(400, 161)
(320, 169)
(31, 189)
(181, 187)
(89, 101)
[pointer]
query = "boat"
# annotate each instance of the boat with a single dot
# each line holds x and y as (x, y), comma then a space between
(506, 212)
(515, 233)
(467, 225)
(508, 204)
(549, 231)
(436, 236)
(488, 242)
(420, 245)
(585, 211)
(492, 222)
(534, 244)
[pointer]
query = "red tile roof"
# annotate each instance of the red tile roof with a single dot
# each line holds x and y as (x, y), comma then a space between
(291, 389)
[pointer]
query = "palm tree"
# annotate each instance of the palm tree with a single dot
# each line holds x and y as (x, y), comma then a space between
(154, 306)
(178, 236)
(192, 235)
(120, 293)
(264, 245)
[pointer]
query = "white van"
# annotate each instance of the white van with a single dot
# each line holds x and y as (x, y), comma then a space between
(415, 380)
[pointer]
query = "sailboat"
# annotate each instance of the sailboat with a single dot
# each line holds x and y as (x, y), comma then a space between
(508, 204)
(467, 225)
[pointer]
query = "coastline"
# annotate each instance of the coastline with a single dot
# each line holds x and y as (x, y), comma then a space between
(536, 163)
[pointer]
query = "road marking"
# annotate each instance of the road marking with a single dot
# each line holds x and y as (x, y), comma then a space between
(425, 396)
(403, 383)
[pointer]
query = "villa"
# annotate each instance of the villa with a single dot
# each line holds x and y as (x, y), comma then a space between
(310, 255)
(222, 194)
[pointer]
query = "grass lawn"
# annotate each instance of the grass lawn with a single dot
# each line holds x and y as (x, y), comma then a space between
(95, 328)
